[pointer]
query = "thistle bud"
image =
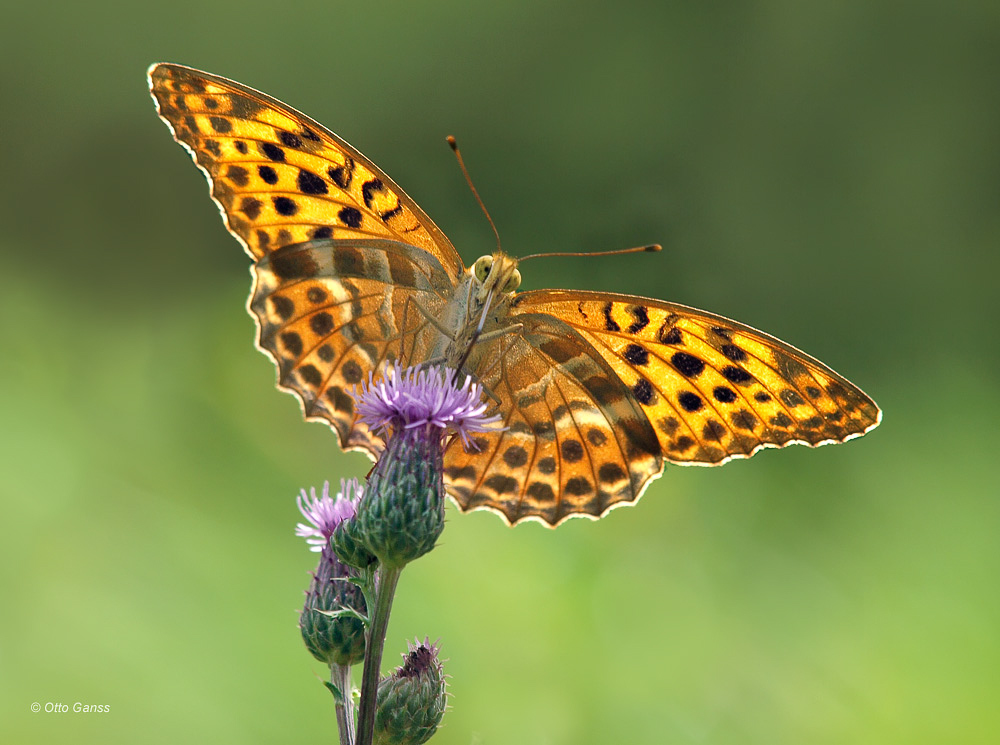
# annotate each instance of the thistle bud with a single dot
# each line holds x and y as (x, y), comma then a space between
(412, 700)
(348, 542)
(403, 514)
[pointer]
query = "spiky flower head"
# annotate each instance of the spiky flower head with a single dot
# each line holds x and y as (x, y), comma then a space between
(402, 513)
(426, 398)
(333, 640)
(412, 700)
(325, 514)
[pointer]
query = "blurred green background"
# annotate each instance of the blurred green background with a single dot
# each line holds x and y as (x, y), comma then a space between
(828, 172)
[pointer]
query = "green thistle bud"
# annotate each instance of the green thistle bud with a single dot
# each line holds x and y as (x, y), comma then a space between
(333, 639)
(411, 701)
(402, 513)
(349, 544)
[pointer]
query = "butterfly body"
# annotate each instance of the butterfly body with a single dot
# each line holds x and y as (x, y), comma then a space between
(597, 390)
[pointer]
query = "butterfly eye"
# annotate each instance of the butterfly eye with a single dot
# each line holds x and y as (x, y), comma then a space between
(482, 267)
(513, 282)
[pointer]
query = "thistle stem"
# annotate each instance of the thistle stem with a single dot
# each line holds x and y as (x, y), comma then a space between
(340, 676)
(389, 576)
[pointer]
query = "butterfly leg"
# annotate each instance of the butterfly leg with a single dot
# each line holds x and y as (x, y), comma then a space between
(430, 317)
(497, 359)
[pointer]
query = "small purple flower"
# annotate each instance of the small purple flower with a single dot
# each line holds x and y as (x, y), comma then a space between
(325, 513)
(424, 397)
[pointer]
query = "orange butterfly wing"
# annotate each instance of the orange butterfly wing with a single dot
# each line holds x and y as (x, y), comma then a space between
(342, 253)
(629, 382)
(278, 176)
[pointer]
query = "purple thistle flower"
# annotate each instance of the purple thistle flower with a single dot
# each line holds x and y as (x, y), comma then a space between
(424, 397)
(326, 513)
(402, 513)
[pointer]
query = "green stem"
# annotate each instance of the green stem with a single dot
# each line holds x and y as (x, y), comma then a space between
(373, 653)
(340, 676)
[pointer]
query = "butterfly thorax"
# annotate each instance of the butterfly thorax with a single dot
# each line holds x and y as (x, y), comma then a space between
(480, 303)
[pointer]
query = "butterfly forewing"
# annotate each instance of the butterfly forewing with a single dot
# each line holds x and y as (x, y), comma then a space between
(712, 388)
(278, 176)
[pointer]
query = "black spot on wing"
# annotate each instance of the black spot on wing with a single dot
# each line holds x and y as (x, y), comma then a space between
(283, 306)
(369, 189)
(641, 319)
(572, 451)
(271, 151)
(743, 419)
(250, 206)
(220, 125)
(309, 183)
(267, 174)
(610, 324)
(643, 391)
(541, 492)
(733, 352)
(736, 375)
(687, 364)
(595, 437)
(310, 375)
(389, 214)
(238, 175)
(689, 401)
(352, 372)
(350, 216)
(342, 175)
(285, 206)
(321, 324)
(290, 140)
(713, 430)
(669, 335)
(515, 456)
(292, 342)
(636, 354)
(609, 473)
(724, 394)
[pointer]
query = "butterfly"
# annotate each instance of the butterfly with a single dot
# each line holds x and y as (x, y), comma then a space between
(597, 391)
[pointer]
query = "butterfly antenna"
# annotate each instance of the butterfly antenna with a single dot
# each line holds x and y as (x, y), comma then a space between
(652, 247)
(468, 179)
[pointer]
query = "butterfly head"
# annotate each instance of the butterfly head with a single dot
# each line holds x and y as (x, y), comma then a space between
(496, 274)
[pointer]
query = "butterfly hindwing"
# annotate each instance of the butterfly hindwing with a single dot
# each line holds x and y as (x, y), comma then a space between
(574, 440)
(330, 312)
